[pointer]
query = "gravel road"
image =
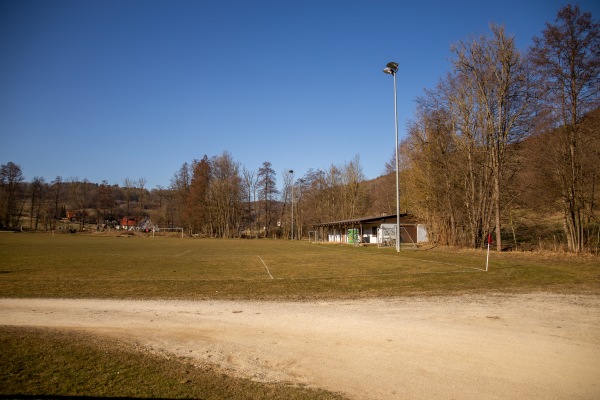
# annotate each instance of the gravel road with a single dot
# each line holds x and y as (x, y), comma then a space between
(536, 346)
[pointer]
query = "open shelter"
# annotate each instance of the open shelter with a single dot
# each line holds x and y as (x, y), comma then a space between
(372, 230)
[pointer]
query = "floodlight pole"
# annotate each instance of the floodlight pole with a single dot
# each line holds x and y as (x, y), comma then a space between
(392, 69)
(292, 172)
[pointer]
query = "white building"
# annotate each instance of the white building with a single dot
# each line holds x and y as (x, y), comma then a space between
(372, 230)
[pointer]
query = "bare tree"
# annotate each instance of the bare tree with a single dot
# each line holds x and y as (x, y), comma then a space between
(80, 198)
(311, 192)
(472, 156)
(36, 199)
(105, 201)
(250, 183)
(332, 193)
(57, 184)
(566, 59)
(495, 76)
(433, 177)
(287, 202)
(167, 207)
(180, 187)
(353, 196)
(141, 189)
(128, 190)
(226, 196)
(11, 180)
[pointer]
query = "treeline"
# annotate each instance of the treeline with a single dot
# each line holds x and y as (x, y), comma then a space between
(508, 137)
(217, 197)
(211, 197)
(508, 142)
(40, 205)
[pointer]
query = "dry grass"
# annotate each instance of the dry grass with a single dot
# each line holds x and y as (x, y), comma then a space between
(86, 266)
(38, 363)
(82, 266)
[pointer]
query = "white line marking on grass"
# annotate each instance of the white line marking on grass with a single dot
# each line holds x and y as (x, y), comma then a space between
(269, 272)
(180, 254)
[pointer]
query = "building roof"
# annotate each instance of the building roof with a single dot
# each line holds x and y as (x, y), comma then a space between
(367, 220)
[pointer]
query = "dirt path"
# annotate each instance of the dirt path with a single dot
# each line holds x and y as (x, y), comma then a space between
(468, 347)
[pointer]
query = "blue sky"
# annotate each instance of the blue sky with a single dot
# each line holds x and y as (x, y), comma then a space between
(108, 90)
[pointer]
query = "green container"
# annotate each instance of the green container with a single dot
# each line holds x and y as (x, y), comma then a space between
(352, 235)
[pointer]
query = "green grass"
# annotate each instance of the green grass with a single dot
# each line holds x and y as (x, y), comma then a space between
(86, 266)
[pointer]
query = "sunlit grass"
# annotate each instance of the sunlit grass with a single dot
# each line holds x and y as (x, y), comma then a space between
(44, 265)
(87, 266)
(45, 363)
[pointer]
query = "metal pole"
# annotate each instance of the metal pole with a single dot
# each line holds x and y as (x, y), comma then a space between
(397, 168)
(292, 172)
(392, 69)
(487, 258)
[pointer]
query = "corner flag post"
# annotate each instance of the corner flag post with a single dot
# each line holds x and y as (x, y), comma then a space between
(487, 260)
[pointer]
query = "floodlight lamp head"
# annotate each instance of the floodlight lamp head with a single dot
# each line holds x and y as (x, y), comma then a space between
(392, 68)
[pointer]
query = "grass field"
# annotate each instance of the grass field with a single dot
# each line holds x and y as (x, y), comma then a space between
(71, 364)
(87, 266)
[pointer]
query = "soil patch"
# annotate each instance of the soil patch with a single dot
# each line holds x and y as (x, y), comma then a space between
(468, 347)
